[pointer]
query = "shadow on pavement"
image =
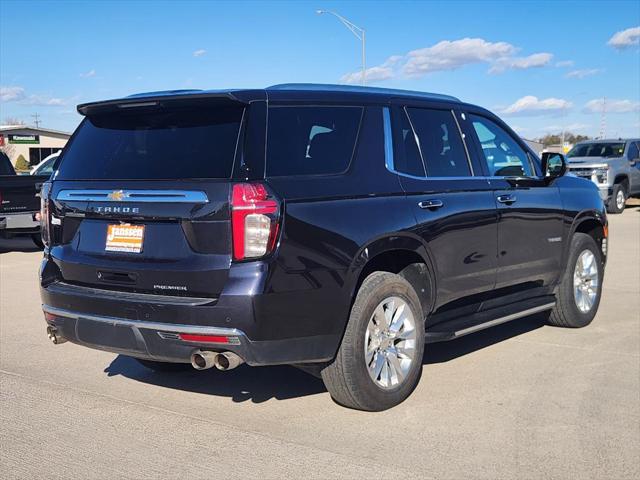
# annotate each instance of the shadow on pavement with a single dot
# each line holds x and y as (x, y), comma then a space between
(18, 244)
(240, 385)
(284, 382)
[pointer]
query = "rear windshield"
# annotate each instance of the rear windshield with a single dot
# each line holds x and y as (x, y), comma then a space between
(604, 149)
(178, 144)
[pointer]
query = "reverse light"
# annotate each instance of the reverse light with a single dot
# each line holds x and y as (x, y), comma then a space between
(254, 221)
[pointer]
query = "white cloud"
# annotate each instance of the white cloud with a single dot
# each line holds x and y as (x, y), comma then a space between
(89, 74)
(372, 74)
(199, 53)
(530, 105)
(625, 38)
(565, 63)
(572, 127)
(18, 95)
(521, 63)
(611, 106)
(11, 94)
(451, 55)
(587, 72)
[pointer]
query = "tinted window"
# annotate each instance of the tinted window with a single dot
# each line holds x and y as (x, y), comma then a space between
(440, 143)
(504, 156)
(597, 149)
(311, 140)
(194, 143)
(633, 152)
(406, 156)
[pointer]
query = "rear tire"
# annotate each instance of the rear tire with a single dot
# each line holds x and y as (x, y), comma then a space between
(618, 199)
(575, 307)
(164, 367)
(379, 361)
(37, 239)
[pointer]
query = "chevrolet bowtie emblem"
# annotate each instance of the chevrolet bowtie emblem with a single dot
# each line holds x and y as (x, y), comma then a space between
(117, 195)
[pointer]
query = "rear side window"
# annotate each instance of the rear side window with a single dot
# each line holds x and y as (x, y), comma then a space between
(175, 144)
(406, 156)
(313, 140)
(440, 143)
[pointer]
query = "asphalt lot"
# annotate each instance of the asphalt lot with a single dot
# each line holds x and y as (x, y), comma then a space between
(521, 400)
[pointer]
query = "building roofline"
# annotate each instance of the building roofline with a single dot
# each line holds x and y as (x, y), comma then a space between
(8, 128)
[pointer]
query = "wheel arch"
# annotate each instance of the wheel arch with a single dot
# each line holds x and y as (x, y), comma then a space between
(595, 225)
(623, 179)
(403, 254)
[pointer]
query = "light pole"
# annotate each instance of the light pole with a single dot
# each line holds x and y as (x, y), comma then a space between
(357, 31)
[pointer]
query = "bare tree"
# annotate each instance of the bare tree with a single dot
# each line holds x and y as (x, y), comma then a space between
(14, 121)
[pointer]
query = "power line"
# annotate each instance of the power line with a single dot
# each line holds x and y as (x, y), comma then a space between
(36, 119)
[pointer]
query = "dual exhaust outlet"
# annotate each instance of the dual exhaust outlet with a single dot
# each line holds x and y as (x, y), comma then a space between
(203, 359)
(200, 359)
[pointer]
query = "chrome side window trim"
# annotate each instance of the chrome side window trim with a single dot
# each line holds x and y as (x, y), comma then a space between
(415, 136)
(137, 196)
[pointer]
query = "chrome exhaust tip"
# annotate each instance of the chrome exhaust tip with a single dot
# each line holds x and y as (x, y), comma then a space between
(227, 361)
(201, 360)
(54, 336)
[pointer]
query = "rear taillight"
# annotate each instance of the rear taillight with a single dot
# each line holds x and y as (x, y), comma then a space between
(254, 221)
(45, 217)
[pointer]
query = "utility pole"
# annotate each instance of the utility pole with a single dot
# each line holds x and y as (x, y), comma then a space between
(36, 119)
(603, 118)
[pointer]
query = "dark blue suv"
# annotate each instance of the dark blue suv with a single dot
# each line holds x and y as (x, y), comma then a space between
(337, 229)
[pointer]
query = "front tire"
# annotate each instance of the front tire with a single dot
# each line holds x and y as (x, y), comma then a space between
(578, 295)
(379, 361)
(618, 199)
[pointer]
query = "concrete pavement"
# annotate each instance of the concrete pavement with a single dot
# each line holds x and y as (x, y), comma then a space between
(522, 400)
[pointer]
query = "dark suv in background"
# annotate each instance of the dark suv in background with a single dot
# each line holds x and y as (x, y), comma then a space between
(337, 229)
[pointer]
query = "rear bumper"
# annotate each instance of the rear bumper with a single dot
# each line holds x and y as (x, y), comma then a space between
(150, 326)
(19, 223)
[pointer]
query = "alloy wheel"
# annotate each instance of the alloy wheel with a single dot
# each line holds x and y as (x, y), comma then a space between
(585, 281)
(390, 342)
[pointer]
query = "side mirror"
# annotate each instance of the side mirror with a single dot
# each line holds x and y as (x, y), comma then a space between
(634, 162)
(553, 164)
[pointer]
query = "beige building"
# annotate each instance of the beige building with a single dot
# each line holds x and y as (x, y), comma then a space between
(34, 144)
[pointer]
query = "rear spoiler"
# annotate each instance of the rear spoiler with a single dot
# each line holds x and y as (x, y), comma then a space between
(175, 98)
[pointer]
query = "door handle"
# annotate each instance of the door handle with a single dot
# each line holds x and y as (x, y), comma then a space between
(508, 198)
(430, 204)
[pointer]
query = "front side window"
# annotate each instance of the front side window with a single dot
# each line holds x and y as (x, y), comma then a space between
(313, 140)
(503, 155)
(633, 152)
(440, 143)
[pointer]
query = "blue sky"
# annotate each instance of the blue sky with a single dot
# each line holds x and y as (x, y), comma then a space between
(540, 65)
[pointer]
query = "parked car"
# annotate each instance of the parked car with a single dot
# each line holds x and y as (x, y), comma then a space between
(333, 228)
(613, 165)
(19, 203)
(45, 167)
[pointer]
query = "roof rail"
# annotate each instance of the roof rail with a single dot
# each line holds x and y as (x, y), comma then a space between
(360, 89)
